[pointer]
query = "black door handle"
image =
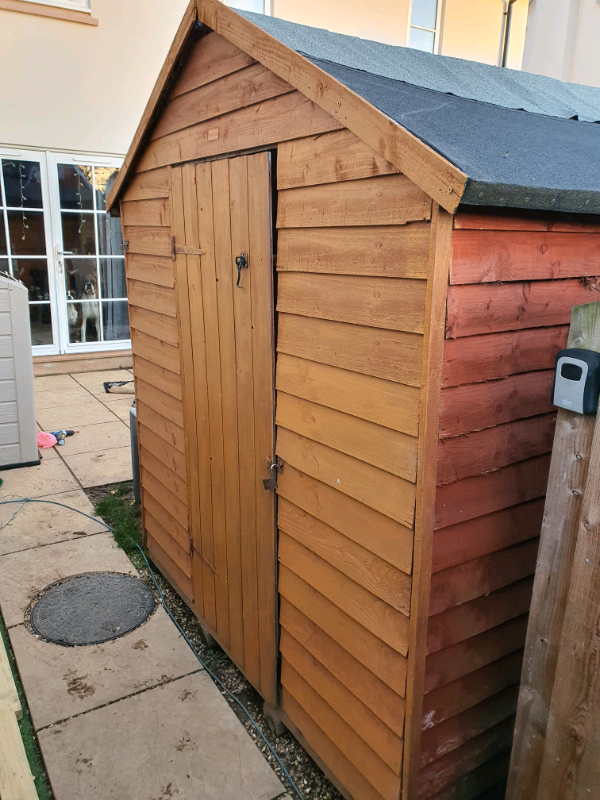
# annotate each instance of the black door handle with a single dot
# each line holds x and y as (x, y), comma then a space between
(241, 263)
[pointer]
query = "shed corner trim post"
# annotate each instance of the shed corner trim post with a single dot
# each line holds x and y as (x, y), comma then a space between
(431, 370)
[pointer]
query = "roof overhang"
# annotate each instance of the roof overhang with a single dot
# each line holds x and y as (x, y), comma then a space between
(429, 170)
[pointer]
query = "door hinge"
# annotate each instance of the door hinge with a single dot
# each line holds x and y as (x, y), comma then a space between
(125, 245)
(185, 250)
(275, 468)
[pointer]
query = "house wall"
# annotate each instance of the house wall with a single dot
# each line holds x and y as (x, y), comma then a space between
(72, 86)
(513, 283)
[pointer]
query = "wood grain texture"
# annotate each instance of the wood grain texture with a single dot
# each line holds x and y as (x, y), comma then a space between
(160, 326)
(480, 308)
(475, 406)
(433, 349)
(480, 576)
(479, 615)
(168, 500)
(172, 572)
(500, 355)
(447, 665)
(151, 298)
(370, 690)
(571, 459)
(491, 256)
(168, 544)
(266, 123)
(208, 60)
(366, 761)
(173, 459)
(158, 270)
(475, 784)
(391, 303)
(369, 571)
(392, 496)
(148, 240)
(155, 212)
(246, 87)
(168, 522)
(337, 156)
(156, 351)
(487, 534)
(167, 430)
(386, 200)
(389, 450)
(493, 448)
(494, 219)
(379, 658)
(158, 377)
(370, 351)
(156, 468)
(375, 615)
(148, 185)
(382, 402)
(390, 251)
(390, 540)
(483, 494)
(362, 721)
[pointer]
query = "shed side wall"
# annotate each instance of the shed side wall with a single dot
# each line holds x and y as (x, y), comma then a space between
(513, 283)
(352, 262)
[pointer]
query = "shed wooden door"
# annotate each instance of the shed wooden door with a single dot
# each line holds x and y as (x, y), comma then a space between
(223, 209)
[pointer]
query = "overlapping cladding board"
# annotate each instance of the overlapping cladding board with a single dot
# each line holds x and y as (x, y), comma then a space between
(513, 283)
(352, 257)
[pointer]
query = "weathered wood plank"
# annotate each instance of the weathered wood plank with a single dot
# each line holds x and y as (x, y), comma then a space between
(391, 405)
(372, 573)
(266, 123)
(154, 213)
(475, 406)
(483, 494)
(375, 615)
(208, 60)
(336, 156)
(162, 450)
(493, 448)
(475, 309)
(389, 450)
(153, 324)
(476, 616)
(163, 475)
(398, 251)
(248, 86)
(451, 663)
(146, 240)
(387, 200)
(354, 748)
(490, 256)
(377, 489)
(498, 355)
(480, 576)
(152, 298)
(504, 220)
(377, 533)
(167, 542)
(488, 534)
(155, 350)
(165, 518)
(167, 430)
(370, 690)
(173, 573)
(362, 721)
(391, 303)
(162, 379)
(384, 662)
(474, 785)
(158, 270)
(148, 185)
(391, 355)
(166, 498)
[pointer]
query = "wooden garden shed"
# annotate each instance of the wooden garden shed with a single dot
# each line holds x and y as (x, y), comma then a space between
(349, 269)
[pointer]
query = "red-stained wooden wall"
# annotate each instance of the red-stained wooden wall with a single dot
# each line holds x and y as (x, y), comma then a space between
(513, 282)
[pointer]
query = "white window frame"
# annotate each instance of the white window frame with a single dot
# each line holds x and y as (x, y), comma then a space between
(267, 7)
(73, 5)
(439, 19)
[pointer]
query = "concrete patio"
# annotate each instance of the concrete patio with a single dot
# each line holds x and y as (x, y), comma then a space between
(135, 718)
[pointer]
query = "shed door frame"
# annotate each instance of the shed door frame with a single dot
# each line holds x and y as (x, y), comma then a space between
(222, 209)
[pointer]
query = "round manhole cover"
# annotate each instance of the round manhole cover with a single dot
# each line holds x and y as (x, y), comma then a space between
(92, 608)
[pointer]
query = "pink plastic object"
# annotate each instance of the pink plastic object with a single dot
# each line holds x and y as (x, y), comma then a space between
(45, 440)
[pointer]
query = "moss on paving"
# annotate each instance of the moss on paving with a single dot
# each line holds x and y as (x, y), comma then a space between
(32, 747)
(118, 510)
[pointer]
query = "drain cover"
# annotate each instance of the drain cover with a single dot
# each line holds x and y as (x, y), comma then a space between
(92, 608)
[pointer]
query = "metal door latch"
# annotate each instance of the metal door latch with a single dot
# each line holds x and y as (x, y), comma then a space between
(274, 468)
(241, 263)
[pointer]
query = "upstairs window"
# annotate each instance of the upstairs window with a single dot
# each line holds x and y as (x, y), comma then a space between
(259, 6)
(74, 5)
(424, 25)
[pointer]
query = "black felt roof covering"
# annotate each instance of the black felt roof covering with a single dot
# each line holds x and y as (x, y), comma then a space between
(523, 140)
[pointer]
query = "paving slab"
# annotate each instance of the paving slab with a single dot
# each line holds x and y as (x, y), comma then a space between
(57, 398)
(120, 406)
(103, 466)
(74, 416)
(61, 682)
(94, 381)
(96, 437)
(54, 383)
(180, 740)
(50, 477)
(24, 574)
(39, 524)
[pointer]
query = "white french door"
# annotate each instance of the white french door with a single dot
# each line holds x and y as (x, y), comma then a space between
(56, 237)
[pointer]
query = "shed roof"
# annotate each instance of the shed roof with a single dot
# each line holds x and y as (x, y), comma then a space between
(523, 140)
(487, 135)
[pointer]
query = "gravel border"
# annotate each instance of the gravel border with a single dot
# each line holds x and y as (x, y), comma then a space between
(308, 777)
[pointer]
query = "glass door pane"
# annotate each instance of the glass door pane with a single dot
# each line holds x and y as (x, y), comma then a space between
(94, 263)
(23, 248)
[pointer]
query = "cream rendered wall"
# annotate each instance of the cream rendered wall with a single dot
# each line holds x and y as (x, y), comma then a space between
(69, 86)
(472, 29)
(563, 40)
